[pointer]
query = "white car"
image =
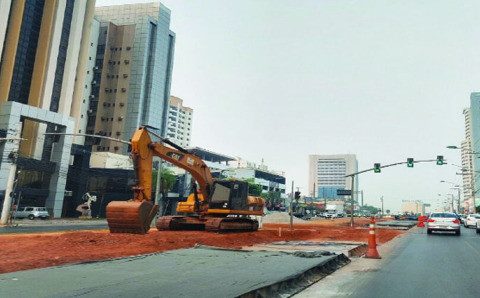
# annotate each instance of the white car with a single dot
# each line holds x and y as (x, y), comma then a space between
(471, 220)
(443, 222)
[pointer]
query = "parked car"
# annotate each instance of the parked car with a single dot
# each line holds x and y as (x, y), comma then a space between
(444, 222)
(471, 220)
(31, 213)
(478, 227)
(331, 215)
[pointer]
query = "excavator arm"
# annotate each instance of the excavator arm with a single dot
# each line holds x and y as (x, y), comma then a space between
(135, 216)
(143, 150)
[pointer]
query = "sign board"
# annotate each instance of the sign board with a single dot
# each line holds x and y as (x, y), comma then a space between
(344, 192)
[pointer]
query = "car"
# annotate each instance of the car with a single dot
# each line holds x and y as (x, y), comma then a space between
(471, 220)
(331, 215)
(462, 218)
(31, 213)
(443, 222)
(477, 228)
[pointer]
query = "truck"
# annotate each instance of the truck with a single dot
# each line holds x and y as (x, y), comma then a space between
(334, 211)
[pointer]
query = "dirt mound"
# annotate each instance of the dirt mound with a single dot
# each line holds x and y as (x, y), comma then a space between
(280, 217)
(52, 249)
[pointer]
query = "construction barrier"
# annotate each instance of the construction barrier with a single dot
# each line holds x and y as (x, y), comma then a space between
(372, 252)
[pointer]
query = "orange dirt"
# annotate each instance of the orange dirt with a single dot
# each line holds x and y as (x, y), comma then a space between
(28, 251)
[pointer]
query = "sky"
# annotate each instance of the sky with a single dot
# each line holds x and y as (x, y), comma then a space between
(279, 80)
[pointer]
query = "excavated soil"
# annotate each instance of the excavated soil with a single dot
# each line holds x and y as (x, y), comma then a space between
(28, 251)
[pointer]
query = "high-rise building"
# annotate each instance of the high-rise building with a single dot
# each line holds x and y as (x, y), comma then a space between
(475, 144)
(41, 44)
(467, 165)
(179, 122)
(327, 174)
(132, 73)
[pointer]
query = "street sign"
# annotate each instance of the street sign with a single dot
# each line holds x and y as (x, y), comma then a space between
(344, 192)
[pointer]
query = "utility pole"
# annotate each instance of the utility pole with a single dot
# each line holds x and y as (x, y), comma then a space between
(352, 205)
(7, 202)
(458, 203)
(291, 206)
(314, 189)
(381, 200)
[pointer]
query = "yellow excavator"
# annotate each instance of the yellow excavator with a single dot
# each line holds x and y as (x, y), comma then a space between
(216, 205)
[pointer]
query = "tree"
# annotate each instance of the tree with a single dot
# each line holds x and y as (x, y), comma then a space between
(387, 211)
(167, 181)
(370, 209)
(254, 189)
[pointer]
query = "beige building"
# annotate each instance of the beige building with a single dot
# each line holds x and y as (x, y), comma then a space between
(179, 123)
(39, 58)
(132, 77)
(468, 177)
(414, 207)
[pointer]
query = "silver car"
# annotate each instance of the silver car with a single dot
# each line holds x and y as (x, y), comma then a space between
(443, 221)
(471, 220)
(31, 213)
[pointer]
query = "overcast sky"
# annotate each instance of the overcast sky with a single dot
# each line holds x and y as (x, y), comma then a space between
(280, 80)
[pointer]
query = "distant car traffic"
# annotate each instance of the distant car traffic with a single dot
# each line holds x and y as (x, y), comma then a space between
(31, 213)
(462, 218)
(471, 220)
(443, 222)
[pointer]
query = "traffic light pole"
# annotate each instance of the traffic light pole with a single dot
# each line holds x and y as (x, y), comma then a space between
(372, 169)
(391, 165)
(352, 205)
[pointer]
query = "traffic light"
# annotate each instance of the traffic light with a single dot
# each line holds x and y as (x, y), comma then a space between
(297, 195)
(410, 162)
(440, 160)
(376, 168)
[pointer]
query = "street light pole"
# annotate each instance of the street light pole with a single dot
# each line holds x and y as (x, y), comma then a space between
(381, 200)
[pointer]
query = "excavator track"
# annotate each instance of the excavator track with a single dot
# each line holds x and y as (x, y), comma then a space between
(191, 223)
(230, 224)
(212, 224)
(130, 217)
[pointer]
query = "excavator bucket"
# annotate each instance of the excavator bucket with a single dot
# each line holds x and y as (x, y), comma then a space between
(130, 216)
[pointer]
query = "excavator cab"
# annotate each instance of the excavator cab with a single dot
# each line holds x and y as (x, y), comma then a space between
(231, 195)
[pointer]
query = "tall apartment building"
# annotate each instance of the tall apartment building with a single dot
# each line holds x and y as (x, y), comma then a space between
(132, 73)
(41, 45)
(467, 165)
(179, 122)
(327, 174)
(475, 144)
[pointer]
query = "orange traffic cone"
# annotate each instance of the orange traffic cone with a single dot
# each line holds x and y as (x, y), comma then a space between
(372, 252)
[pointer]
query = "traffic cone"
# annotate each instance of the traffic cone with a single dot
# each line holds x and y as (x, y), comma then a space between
(372, 252)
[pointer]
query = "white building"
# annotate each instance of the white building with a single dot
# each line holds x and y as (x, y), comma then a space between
(270, 181)
(327, 174)
(467, 165)
(179, 122)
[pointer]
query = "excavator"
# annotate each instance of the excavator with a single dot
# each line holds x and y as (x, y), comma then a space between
(215, 205)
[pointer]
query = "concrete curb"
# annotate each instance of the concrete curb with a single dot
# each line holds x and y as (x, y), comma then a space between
(294, 284)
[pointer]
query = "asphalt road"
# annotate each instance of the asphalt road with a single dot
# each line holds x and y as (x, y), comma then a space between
(39, 228)
(421, 265)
